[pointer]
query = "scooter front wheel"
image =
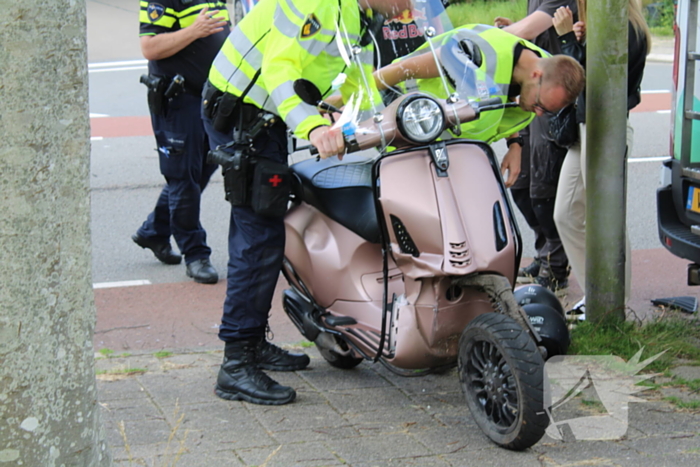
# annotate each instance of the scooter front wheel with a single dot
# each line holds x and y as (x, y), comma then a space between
(338, 360)
(501, 372)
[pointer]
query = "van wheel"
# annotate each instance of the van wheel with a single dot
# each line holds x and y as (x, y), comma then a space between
(501, 372)
(345, 362)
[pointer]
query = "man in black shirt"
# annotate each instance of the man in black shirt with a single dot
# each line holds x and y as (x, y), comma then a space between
(535, 190)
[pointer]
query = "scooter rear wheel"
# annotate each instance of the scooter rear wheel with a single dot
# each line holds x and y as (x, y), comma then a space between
(345, 362)
(501, 372)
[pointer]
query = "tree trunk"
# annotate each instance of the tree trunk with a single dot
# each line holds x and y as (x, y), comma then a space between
(49, 414)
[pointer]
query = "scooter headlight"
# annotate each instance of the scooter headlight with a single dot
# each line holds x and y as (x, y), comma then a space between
(420, 119)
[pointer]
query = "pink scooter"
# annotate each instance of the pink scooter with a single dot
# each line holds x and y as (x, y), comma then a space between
(409, 258)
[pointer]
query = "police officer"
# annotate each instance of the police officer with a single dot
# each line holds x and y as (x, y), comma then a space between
(251, 81)
(180, 39)
(514, 67)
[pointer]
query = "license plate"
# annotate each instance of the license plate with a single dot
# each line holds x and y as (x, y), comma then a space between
(693, 203)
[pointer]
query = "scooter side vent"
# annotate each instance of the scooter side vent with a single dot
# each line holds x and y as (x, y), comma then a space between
(499, 227)
(403, 237)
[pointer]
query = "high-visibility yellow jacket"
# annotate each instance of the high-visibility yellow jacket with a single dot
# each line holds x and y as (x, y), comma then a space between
(288, 40)
(497, 54)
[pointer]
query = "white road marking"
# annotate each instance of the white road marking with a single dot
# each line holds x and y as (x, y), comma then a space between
(110, 285)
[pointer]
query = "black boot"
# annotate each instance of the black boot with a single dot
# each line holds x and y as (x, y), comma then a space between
(271, 357)
(241, 379)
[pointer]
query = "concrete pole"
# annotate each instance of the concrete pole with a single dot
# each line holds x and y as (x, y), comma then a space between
(606, 182)
(49, 415)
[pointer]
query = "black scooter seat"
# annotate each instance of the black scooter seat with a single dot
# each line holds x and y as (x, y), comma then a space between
(342, 190)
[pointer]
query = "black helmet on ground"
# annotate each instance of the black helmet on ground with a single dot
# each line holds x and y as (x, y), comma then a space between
(551, 327)
(535, 293)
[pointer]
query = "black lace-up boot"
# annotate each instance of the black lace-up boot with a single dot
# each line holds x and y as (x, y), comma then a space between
(240, 378)
(271, 357)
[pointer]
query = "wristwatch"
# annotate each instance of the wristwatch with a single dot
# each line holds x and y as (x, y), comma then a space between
(515, 139)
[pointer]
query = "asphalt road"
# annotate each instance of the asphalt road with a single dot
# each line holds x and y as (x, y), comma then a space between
(126, 181)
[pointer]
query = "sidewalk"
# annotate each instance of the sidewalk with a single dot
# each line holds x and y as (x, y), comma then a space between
(362, 417)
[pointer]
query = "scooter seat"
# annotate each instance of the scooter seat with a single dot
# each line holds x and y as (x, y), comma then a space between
(342, 190)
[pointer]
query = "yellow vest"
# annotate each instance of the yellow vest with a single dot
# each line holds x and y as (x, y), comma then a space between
(497, 49)
(288, 40)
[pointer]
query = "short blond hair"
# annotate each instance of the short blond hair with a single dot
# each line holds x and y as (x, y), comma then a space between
(564, 71)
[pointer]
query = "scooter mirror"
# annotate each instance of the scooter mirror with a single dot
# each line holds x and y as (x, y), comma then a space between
(310, 94)
(308, 91)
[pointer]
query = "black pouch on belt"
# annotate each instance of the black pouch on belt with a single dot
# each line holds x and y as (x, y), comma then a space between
(237, 178)
(272, 183)
(225, 113)
(210, 100)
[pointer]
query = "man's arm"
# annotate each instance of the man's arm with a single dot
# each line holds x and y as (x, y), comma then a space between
(167, 44)
(531, 26)
(419, 67)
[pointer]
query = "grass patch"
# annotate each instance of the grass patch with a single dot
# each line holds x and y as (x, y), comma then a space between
(106, 352)
(109, 353)
(306, 344)
(690, 405)
(673, 335)
(485, 11)
(678, 337)
(162, 354)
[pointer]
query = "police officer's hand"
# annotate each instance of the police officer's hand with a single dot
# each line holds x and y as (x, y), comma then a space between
(501, 22)
(207, 23)
(511, 164)
(329, 141)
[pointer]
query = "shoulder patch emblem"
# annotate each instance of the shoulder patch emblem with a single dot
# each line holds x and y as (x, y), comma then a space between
(155, 11)
(311, 26)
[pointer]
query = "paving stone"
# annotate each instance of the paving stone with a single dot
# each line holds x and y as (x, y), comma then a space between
(493, 456)
(131, 409)
(384, 421)
(291, 416)
(449, 440)
(428, 384)
(200, 459)
(137, 433)
(661, 418)
(593, 452)
(182, 386)
(326, 433)
(365, 400)
(419, 461)
(309, 454)
(221, 426)
(686, 372)
(374, 448)
(147, 453)
(336, 379)
(127, 388)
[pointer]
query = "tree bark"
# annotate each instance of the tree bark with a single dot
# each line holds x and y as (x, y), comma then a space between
(49, 414)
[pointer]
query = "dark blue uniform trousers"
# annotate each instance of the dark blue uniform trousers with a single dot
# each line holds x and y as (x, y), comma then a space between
(182, 149)
(255, 249)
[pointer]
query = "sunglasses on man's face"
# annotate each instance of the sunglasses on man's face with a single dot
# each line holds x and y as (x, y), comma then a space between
(538, 104)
